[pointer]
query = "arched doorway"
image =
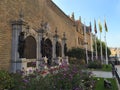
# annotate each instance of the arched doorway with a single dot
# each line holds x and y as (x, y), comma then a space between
(58, 49)
(46, 49)
(30, 48)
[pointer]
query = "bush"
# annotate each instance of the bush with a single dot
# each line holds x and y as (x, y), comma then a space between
(94, 65)
(73, 79)
(76, 53)
(70, 78)
(6, 80)
(76, 61)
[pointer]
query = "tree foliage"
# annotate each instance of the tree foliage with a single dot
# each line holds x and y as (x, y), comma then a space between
(103, 48)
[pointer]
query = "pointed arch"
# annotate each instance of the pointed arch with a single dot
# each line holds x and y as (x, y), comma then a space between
(30, 47)
(48, 50)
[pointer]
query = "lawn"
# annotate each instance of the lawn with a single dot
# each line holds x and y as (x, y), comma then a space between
(100, 84)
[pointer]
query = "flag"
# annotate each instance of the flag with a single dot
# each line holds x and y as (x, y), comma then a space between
(100, 26)
(90, 27)
(106, 29)
(95, 29)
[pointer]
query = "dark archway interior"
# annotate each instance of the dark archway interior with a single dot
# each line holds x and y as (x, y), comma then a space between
(65, 49)
(46, 49)
(58, 49)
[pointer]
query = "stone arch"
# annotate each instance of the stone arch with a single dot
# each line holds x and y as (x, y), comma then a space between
(30, 47)
(58, 49)
(48, 50)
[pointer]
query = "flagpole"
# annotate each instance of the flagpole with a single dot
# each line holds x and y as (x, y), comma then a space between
(106, 49)
(85, 43)
(91, 46)
(95, 29)
(90, 29)
(96, 46)
(101, 48)
(106, 30)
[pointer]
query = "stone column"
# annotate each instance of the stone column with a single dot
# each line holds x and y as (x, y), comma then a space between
(15, 55)
(64, 57)
(40, 59)
(63, 43)
(17, 27)
(54, 48)
(39, 55)
(55, 39)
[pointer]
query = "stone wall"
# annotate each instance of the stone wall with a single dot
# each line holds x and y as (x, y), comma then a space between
(34, 12)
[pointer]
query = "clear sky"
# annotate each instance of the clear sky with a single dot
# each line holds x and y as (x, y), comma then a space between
(96, 9)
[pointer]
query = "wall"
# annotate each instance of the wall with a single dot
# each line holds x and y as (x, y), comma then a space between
(34, 12)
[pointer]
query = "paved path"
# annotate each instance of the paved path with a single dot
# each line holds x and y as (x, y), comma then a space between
(102, 74)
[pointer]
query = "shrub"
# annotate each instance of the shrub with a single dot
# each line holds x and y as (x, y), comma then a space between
(76, 61)
(72, 78)
(76, 53)
(18, 80)
(6, 80)
(94, 65)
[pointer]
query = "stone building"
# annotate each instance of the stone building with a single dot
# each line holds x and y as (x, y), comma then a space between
(34, 31)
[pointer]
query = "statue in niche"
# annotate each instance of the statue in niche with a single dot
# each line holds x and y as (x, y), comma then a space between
(21, 45)
(65, 49)
(43, 47)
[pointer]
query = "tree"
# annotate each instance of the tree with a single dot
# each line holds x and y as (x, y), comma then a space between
(103, 48)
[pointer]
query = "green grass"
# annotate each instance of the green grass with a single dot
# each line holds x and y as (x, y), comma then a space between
(100, 84)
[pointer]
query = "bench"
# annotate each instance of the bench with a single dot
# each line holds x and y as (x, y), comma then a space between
(107, 84)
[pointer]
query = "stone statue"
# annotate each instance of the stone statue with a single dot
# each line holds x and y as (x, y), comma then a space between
(21, 45)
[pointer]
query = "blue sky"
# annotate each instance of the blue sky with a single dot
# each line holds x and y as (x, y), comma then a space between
(96, 9)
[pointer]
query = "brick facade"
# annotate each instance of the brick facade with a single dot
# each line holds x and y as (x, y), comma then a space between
(34, 12)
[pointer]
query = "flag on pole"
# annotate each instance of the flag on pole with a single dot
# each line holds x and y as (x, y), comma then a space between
(106, 29)
(100, 27)
(95, 29)
(90, 27)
